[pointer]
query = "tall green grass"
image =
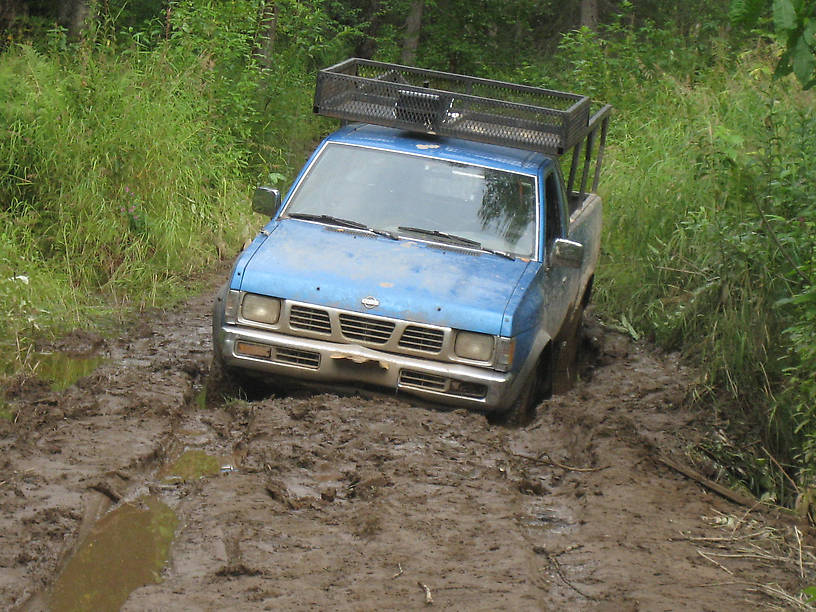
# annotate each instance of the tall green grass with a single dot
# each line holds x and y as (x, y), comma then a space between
(116, 185)
(127, 158)
(709, 238)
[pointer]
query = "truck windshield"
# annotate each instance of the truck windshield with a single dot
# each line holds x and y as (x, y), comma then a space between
(398, 192)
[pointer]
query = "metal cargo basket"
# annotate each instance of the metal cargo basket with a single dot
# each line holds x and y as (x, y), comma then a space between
(454, 105)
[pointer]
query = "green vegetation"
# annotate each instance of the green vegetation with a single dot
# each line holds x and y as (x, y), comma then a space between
(115, 183)
(709, 231)
(191, 465)
(128, 155)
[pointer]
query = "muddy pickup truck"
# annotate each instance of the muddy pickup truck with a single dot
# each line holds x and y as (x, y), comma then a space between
(430, 246)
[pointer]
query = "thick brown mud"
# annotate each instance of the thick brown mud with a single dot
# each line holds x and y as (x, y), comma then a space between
(371, 501)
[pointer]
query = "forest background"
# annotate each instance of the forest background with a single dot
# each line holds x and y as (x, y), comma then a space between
(133, 132)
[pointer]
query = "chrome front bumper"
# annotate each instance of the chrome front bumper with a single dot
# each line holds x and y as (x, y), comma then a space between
(329, 362)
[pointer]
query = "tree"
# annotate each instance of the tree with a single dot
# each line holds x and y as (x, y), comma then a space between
(589, 14)
(267, 32)
(10, 10)
(74, 15)
(794, 24)
(413, 24)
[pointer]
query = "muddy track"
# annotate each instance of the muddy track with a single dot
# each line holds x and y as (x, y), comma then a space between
(323, 501)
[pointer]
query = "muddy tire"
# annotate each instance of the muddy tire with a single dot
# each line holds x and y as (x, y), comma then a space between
(523, 410)
(223, 382)
(536, 387)
(568, 352)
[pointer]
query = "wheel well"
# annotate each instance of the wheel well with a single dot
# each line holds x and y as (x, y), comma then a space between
(546, 366)
(587, 292)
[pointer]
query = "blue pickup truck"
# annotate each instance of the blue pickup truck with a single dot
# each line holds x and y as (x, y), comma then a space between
(431, 246)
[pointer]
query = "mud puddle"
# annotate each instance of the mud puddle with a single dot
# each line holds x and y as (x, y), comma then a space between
(62, 369)
(126, 550)
(194, 464)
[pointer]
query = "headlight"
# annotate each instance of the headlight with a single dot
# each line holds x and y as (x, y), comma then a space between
(469, 345)
(261, 309)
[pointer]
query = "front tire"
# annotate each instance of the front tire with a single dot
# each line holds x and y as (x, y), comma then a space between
(223, 381)
(537, 386)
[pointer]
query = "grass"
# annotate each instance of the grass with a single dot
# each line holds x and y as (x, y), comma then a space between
(117, 187)
(709, 240)
(708, 233)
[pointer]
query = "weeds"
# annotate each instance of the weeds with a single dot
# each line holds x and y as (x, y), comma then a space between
(709, 236)
(126, 158)
(112, 181)
(745, 538)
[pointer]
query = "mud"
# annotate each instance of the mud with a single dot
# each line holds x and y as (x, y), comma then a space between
(371, 501)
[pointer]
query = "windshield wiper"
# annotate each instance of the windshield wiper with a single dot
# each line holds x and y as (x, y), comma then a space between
(382, 232)
(436, 233)
(329, 219)
(504, 254)
(344, 223)
(457, 240)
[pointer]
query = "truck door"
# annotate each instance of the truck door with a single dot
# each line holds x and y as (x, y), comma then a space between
(555, 284)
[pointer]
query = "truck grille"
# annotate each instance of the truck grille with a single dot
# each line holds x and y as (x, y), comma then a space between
(310, 319)
(366, 329)
(420, 380)
(422, 339)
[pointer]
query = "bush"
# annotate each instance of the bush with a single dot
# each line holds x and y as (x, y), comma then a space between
(115, 182)
(709, 236)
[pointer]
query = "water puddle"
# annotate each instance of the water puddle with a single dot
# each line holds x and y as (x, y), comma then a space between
(5, 410)
(63, 369)
(194, 464)
(201, 399)
(125, 550)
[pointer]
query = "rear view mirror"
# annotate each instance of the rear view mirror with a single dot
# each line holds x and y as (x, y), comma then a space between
(266, 201)
(567, 253)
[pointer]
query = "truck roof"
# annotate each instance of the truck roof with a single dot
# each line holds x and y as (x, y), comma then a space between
(454, 149)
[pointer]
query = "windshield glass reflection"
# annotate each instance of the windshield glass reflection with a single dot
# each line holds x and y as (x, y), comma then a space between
(385, 190)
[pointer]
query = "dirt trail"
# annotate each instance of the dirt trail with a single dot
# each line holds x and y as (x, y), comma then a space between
(338, 502)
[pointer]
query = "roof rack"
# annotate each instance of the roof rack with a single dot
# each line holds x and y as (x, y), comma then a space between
(454, 105)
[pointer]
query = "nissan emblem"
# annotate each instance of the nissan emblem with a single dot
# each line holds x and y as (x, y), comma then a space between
(370, 302)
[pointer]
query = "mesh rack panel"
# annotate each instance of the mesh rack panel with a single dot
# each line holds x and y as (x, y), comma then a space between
(452, 105)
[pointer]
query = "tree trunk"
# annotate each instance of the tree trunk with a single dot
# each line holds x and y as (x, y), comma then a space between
(367, 45)
(9, 11)
(413, 24)
(75, 15)
(267, 32)
(589, 14)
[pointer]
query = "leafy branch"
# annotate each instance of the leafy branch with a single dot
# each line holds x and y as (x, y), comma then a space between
(794, 24)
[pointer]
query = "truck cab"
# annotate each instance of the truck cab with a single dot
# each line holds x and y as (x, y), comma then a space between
(445, 267)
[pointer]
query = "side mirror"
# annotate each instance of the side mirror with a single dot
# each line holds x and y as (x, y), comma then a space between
(266, 201)
(567, 253)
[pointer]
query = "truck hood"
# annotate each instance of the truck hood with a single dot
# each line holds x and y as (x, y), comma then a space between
(412, 280)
